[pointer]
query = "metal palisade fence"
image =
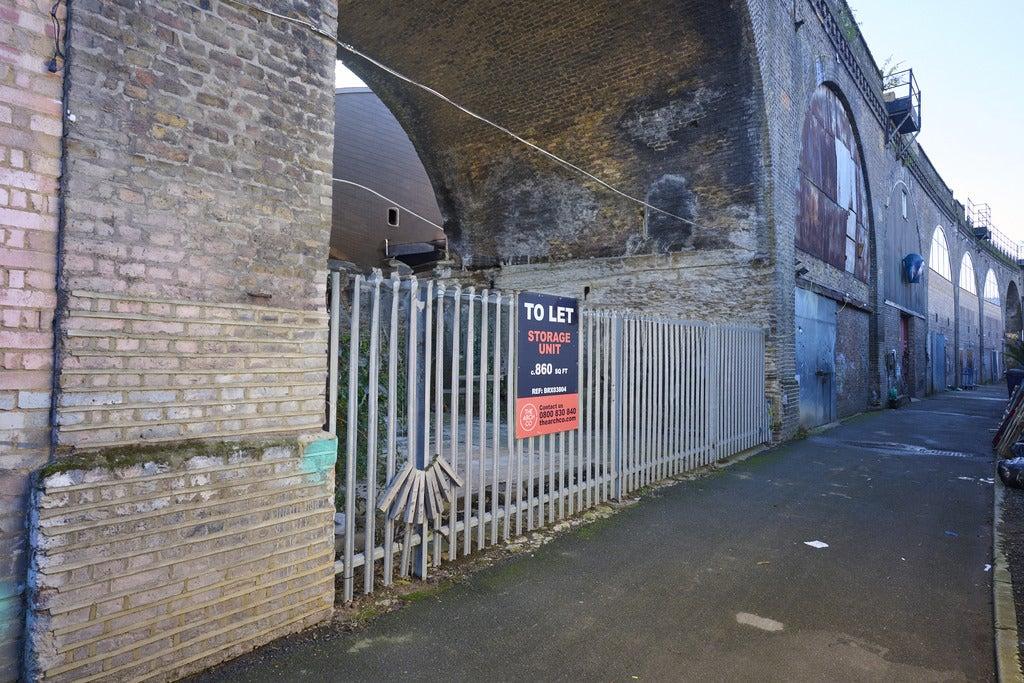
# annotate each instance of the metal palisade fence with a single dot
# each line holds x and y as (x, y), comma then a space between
(423, 370)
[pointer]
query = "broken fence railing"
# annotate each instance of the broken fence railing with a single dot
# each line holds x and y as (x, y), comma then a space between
(430, 372)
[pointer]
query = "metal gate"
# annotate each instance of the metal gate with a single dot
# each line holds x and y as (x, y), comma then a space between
(430, 372)
(815, 357)
(937, 349)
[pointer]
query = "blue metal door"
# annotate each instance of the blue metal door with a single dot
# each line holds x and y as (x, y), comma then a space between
(967, 368)
(816, 357)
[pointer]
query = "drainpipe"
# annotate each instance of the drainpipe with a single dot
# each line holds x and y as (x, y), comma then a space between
(61, 304)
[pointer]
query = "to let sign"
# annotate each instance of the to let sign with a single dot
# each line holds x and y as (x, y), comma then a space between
(547, 376)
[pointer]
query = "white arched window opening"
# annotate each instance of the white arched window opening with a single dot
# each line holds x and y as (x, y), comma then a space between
(938, 258)
(967, 282)
(991, 291)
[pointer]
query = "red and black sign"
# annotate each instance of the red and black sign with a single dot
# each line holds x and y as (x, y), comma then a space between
(547, 376)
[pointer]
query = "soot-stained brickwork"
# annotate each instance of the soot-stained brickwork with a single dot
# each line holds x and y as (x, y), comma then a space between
(220, 191)
(197, 199)
(801, 47)
(658, 98)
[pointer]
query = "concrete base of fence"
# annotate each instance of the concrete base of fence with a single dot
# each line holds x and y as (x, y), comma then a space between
(160, 563)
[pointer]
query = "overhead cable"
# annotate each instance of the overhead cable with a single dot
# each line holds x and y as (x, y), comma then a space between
(497, 126)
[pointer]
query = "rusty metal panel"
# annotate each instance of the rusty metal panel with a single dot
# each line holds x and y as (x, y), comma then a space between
(831, 186)
(815, 357)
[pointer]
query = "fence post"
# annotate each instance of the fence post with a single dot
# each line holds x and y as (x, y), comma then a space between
(351, 440)
(714, 381)
(616, 407)
(421, 301)
(332, 359)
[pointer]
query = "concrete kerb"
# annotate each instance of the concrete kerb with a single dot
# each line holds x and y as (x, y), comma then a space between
(1004, 611)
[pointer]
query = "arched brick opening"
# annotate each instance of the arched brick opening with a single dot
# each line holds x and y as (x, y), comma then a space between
(992, 327)
(662, 100)
(968, 320)
(833, 223)
(835, 248)
(942, 314)
(903, 236)
(1013, 319)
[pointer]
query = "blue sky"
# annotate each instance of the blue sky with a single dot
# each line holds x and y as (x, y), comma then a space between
(343, 78)
(968, 58)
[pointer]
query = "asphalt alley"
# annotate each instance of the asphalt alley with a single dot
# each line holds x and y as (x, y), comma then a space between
(714, 578)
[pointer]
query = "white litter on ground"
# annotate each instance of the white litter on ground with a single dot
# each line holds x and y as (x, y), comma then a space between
(763, 623)
(816, 544)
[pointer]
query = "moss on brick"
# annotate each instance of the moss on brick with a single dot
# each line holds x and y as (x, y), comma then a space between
(173, 454)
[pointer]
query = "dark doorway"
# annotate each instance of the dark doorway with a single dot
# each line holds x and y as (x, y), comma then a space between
(937, 349)
(905, 355)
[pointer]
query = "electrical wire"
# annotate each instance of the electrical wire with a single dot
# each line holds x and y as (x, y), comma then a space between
(497, 126)
(57, 51)
(387, 199)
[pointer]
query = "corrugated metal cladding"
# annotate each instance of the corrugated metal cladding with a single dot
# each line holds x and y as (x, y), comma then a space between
(372, 149)
(831, 222)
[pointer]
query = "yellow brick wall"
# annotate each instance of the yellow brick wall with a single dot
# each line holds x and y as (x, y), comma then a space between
(180, 559)
(30, 151)
(139, 371)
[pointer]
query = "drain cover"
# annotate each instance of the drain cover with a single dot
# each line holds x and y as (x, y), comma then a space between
(892, 448)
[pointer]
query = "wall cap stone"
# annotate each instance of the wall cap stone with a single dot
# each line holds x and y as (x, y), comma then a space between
(133, 462)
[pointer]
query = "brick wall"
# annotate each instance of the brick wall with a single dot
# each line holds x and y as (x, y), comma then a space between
(179, 559)
(139, 371)
(197, 201)
(942, 320)
(200, 157)
(794, 59)
(30, 128)
(660, 98)
(853, 370)
(683, 284)
(213, 231)
(198, 218)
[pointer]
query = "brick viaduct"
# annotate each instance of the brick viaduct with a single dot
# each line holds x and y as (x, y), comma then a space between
(164, 216)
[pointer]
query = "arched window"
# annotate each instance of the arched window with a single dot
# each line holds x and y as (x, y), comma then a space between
(967, 275)
(832, 221)
(991, 291)
(938, 258)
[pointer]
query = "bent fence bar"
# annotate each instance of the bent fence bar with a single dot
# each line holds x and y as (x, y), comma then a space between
(430, 372)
